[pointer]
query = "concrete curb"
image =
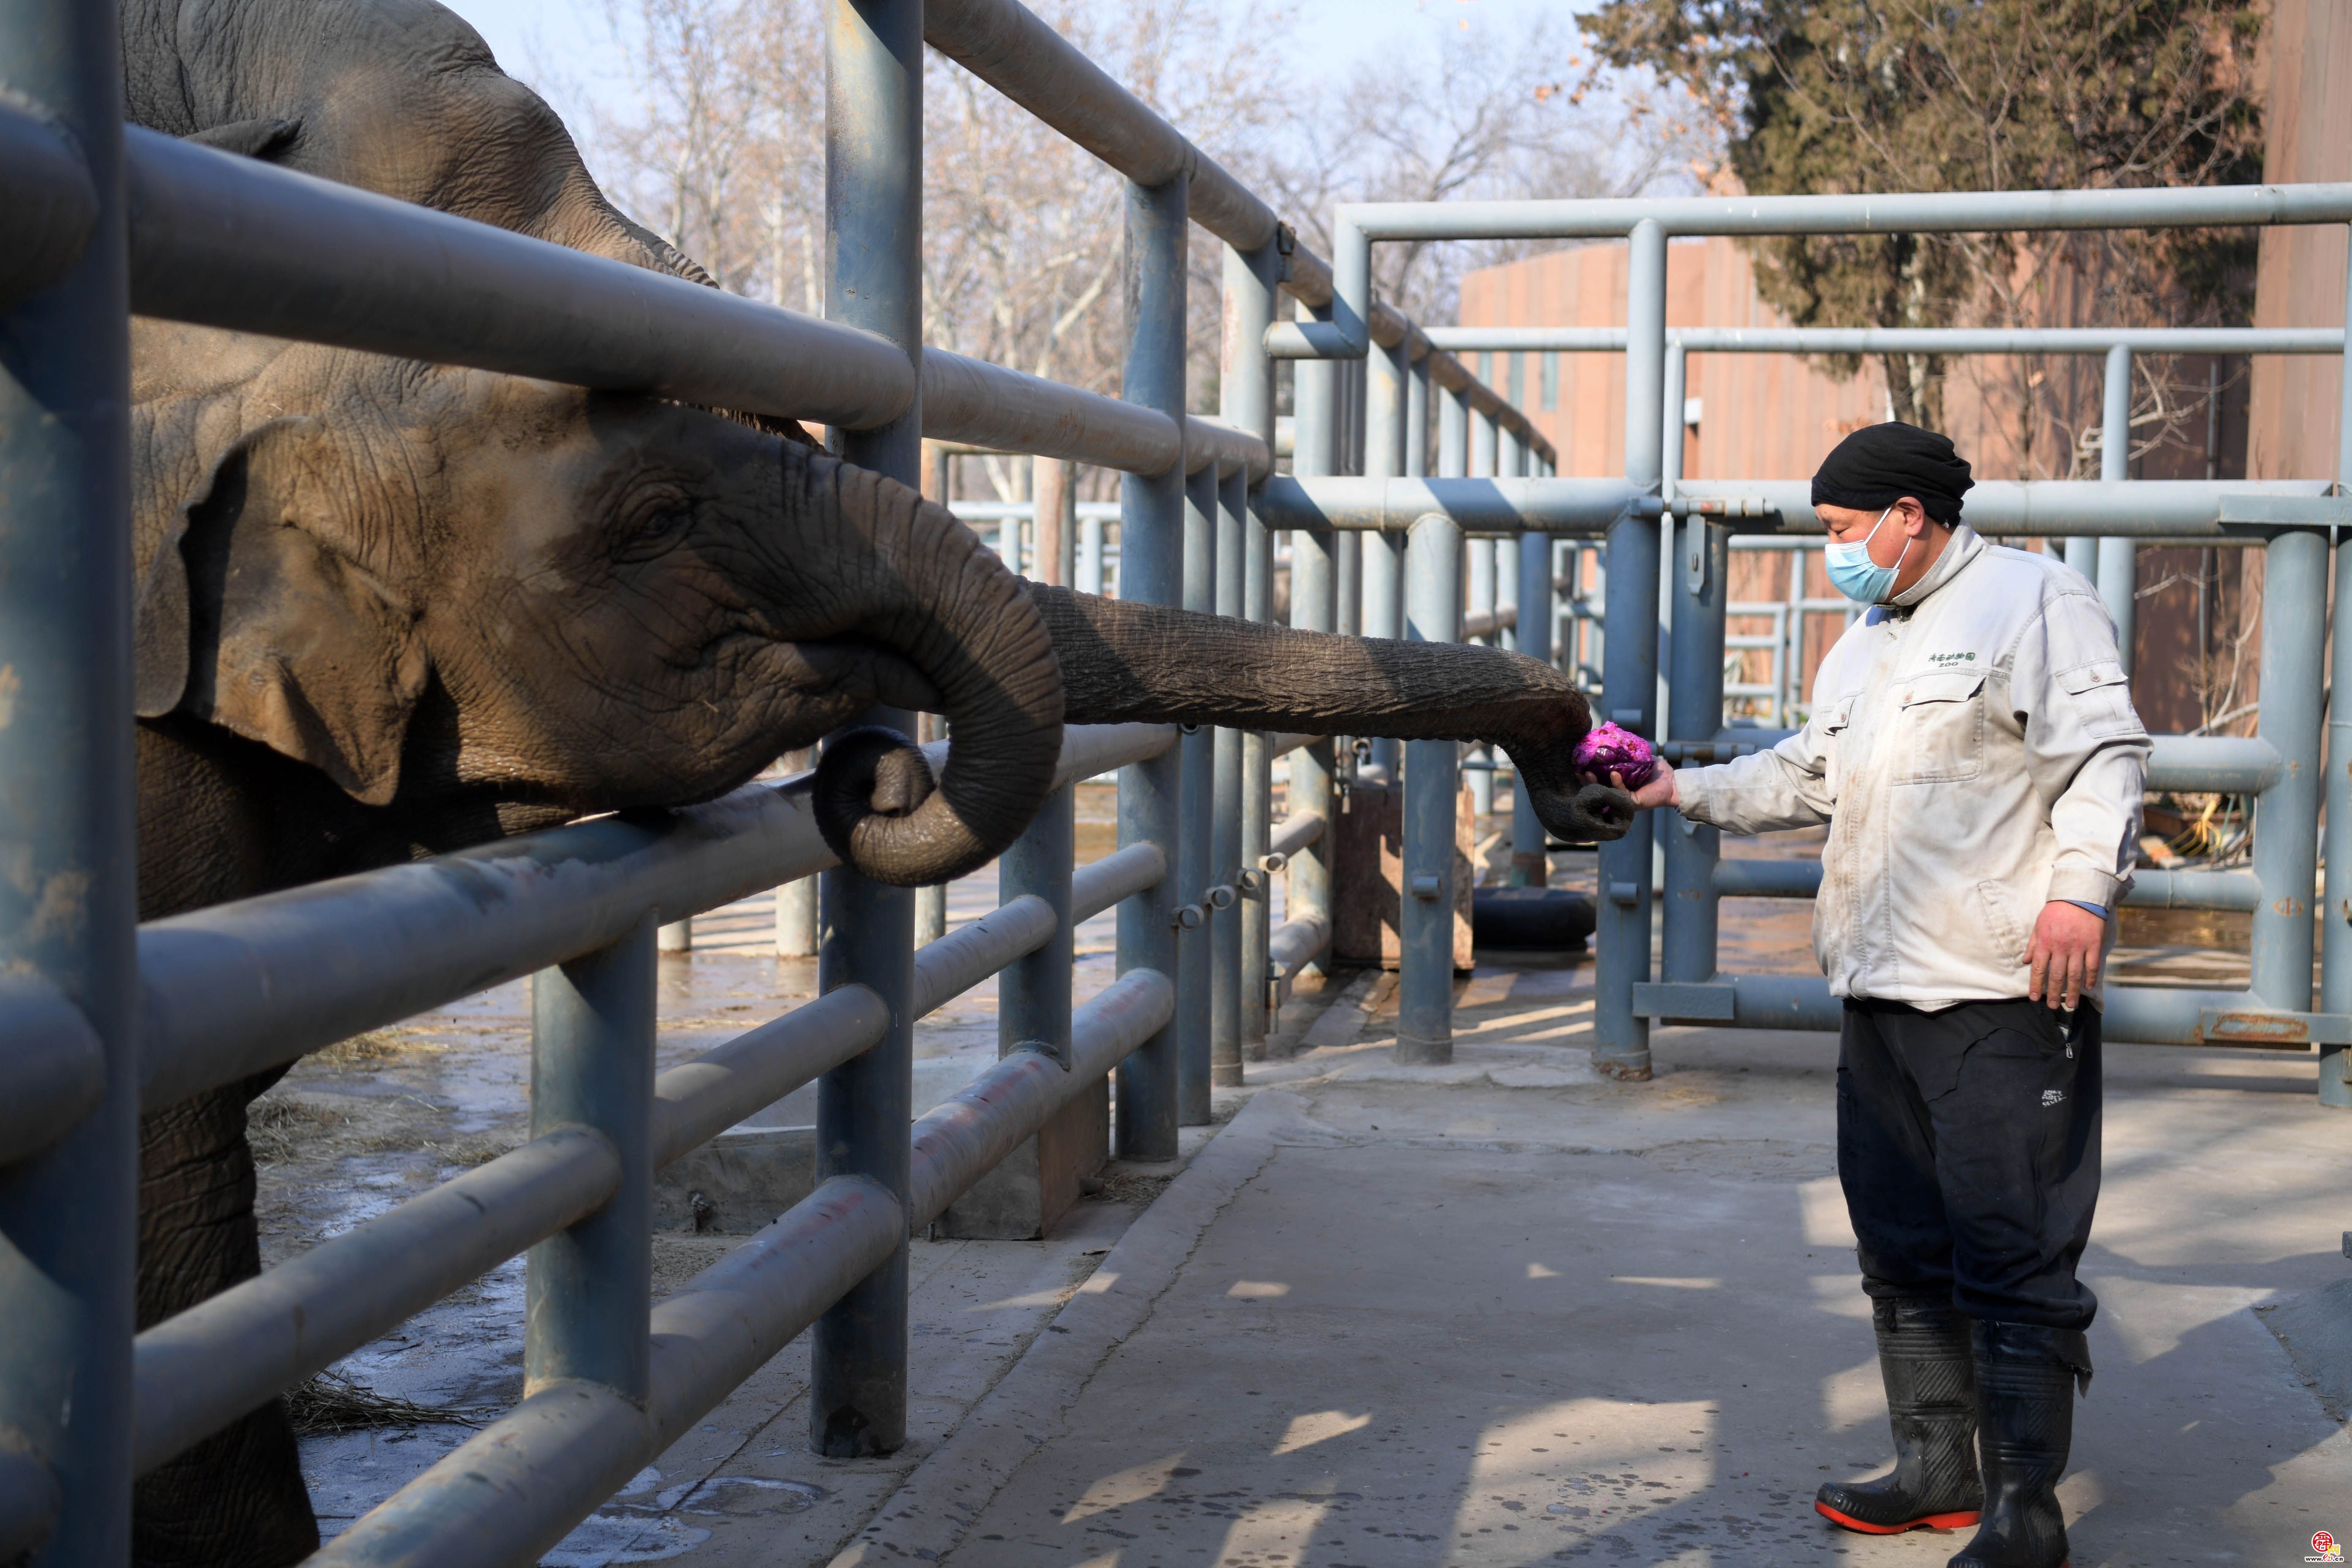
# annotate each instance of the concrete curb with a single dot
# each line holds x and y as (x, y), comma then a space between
(927, 1518)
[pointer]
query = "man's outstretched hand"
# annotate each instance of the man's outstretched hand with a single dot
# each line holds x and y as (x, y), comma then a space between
(1659, 791)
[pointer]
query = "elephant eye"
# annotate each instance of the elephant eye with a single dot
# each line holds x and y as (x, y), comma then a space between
(655, 526)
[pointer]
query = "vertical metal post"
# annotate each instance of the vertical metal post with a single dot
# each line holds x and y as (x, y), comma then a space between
(2286, 816)
(1700, 565)
(1090, 555)
(1702, 561)
(930, 901)
(69, 1217)
(1510, 463)
(1530, 865)
(1225, 981)
(2335, 929)
(1033, 991)
(1432, 775)
(1194, 859)
(874, 225)
(1348, 544)
(2118, 576)
(1384, 454)
(590, 1289)
(1480, 570)
(1246, 396)
(1314, 454)
(1057, 483)
(1425, 913)
(1151, 572)
(1629, 663)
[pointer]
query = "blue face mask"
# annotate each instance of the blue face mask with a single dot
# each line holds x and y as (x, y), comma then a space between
(1853, 573)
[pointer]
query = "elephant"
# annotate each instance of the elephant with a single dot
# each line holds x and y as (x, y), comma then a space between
(385, 609)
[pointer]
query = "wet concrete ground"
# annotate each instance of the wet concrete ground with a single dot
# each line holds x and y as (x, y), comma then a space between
(1501, 1312)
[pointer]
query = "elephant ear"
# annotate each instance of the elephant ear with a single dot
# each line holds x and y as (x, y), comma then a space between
(258, 612)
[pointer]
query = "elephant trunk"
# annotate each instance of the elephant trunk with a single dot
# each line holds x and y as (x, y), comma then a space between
(925, 587)
(1123, 662)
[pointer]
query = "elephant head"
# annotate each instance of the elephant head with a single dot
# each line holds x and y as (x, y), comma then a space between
(439, 586)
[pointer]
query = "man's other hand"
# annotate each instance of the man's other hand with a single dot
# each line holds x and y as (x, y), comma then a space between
(2064, 961)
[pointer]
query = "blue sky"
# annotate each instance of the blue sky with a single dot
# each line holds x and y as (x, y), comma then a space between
(569, 40)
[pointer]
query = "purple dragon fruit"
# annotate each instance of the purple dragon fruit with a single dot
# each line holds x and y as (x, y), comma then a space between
(1609, 750)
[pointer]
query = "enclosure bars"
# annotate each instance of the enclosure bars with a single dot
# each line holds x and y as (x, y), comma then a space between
(1152, 514)
(68, 1215)
(1623, 915)
(2279, 986)
(2335, 926)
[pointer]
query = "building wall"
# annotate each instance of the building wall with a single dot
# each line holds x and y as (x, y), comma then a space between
(2300, 277)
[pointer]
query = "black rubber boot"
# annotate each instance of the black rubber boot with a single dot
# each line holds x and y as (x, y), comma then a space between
(2026, 1379)
(1923, 1355)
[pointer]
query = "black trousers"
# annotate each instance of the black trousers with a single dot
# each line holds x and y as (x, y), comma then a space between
(1968, 1148)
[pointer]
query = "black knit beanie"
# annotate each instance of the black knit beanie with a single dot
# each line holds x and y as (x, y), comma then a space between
(1878, 465)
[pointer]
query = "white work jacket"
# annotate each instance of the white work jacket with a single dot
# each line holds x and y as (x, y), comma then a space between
(1974, 751)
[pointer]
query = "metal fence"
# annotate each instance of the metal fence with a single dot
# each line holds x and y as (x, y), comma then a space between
(104, 1018)
(1662, 672)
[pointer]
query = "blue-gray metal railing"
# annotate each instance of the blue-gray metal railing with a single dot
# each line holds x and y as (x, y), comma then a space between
(2103, 523)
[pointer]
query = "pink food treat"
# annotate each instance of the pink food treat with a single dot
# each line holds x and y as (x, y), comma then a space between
(1609, 750)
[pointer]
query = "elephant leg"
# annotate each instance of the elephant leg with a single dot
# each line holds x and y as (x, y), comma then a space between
(235, 1500)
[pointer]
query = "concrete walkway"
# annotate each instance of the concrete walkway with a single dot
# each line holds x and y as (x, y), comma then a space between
(1507, 1312)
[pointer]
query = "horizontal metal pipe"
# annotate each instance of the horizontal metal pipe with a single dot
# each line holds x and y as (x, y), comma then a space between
(52, 1067)
(1487, 622)
(1477, 505)
(2056, 508)
(2133, 1015)
(998, 510)
(1233, 450)
(989, 406)
(2235, 764)
(2166, 1015)
(515, 1489)
(1019, 55)
(695, 1101)
(986, 406)
(953, 964)
(233, 242)
(962, 1137)
(1768, 879)
(2160, 889)
(2150, 888)
(1295, 943)
(1942, 211)
(1310, 281)
(201, 1370)
(233, 989)
(1097, 885)
(52, 207)
(1295, 833)
(1281, 743)
(1916, 339)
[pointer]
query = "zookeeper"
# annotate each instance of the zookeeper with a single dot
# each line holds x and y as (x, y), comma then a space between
(1974, 752)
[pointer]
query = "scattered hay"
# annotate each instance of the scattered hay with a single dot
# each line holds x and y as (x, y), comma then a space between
(277, 1127)
(331, 1403)
(375, 1049)
(1137, 1187)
